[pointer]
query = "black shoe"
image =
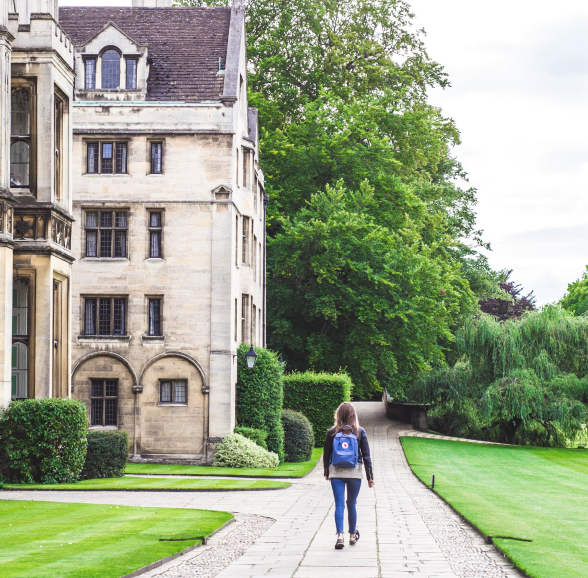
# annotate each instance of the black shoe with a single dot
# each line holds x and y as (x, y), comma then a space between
(353, 538)
(340, 544)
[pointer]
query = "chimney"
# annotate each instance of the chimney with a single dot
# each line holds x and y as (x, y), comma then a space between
(152, 3)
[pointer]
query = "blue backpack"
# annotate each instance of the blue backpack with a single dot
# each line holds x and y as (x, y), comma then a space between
(345, 450)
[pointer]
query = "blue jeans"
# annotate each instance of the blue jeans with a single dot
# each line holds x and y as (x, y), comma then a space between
(338, 486)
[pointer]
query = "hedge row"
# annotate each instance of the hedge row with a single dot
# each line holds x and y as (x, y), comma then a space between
(260, 396)
(257, 436)
(317, 396)
(107, 454)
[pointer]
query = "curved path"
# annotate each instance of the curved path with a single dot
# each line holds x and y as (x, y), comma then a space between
(406, 530)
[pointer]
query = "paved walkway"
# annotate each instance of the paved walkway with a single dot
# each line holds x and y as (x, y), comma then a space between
(406, 530)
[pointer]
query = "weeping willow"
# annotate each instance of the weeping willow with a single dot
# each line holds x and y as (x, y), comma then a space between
(520, 381)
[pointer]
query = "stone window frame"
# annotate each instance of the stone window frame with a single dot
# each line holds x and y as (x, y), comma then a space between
(97, 335)
(100, 142)
(150, 142)
(172, 402)
(160, 229)
(114, 229)
(29, 84)
(148, 335)
(103, 398)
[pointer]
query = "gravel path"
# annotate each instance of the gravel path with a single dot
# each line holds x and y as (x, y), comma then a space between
(406, 530)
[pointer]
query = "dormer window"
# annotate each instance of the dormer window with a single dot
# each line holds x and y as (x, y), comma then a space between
(131, 73)
(90, 73)
(111, 69)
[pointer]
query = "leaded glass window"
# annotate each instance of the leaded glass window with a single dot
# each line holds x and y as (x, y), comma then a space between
(106, 234)
(105, 316)
(173, 391)
(155, 235)
(156, 158)
(111, 69)
(155, 317)
(90, 73)
(131, 73)
(104, 398)
(107, 158)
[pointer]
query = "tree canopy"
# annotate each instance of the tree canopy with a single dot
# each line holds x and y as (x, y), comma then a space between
(355, 154)
(576, 298)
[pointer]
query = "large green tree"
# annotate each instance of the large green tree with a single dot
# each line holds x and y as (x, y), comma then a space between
(576, 298)
(341, 87)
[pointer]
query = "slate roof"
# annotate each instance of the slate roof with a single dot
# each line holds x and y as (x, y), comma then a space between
(184, 45)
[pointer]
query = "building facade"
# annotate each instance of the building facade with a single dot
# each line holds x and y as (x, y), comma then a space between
(169, 228)
(36, 94)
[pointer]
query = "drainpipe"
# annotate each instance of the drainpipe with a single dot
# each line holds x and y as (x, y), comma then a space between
(265, 200)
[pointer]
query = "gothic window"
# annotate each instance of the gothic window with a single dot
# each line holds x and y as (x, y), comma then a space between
(90, 73)
(20, 339)
(156, 158)
(106, 234)
(112, 158)
(173, 391)
(105, 315)
(20, 130)
(155, 232)
(111, 69)
(155, 317)
(131, 75)
(104, 398)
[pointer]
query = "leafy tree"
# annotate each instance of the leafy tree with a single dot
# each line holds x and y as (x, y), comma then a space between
(511, 307)
(350, 293)
(576, 299)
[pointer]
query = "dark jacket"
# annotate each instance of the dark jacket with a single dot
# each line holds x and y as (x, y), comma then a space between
(364, 452)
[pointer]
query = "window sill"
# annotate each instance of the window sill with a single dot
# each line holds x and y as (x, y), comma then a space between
(109, 259)
(154, 260)
(154, 175)
(104, 338)
(105, 174)
(166, 404)
(103, 427)
(155, 338)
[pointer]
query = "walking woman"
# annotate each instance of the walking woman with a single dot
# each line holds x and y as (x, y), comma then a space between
(346, 447)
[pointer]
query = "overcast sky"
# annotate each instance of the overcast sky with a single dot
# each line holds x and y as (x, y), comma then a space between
(519, 75)
(519, 95)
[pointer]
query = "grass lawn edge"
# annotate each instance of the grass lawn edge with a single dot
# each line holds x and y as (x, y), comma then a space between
(171, 557)
(487, 539)
(9, 488)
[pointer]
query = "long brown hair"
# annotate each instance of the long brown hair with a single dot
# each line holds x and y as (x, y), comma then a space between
(346, 415)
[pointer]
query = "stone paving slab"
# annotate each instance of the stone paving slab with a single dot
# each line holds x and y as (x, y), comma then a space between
(406, 530)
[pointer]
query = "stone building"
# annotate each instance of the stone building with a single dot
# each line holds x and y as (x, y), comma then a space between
(169, 216)
(36, 93)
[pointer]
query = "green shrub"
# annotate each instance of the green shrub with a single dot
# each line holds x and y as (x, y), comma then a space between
(298, 436)
(44, 440)
(255, 435)
(317, 396)
(260, 396)
(236, 451)
(107, 454)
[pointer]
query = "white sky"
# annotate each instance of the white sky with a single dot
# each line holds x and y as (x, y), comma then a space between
(519, 75)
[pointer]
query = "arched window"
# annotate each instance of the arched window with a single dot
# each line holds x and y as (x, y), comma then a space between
(111, 69)
(19, 163)
(20, 130)
(20, 113)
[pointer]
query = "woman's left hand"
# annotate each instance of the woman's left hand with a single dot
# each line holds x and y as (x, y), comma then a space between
(371, 484)
(328, 479)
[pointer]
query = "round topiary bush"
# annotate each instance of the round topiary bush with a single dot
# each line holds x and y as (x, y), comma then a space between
(44, 440)
(255, 435)
(298, 436)
(236, 451)
(107, 454)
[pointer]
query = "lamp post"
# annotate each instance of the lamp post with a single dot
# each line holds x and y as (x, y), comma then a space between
(251, 358)
(281, 360)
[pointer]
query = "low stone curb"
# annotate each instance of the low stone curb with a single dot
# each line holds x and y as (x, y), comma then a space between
(163, 561)
(418, 434)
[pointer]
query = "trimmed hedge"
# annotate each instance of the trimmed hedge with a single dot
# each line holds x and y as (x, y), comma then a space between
(255, 435)
(107, 454)
(44, 440)
(298, 436)
(260, 396)
(317, 396)
(236, 451)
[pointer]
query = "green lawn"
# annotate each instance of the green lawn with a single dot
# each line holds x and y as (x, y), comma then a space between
(287, 470)
(130, 483)
(46, 539)
(537, 494)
